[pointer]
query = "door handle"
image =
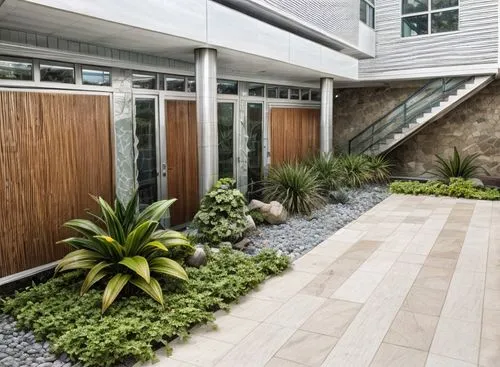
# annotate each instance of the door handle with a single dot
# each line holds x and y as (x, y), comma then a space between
(164, 169)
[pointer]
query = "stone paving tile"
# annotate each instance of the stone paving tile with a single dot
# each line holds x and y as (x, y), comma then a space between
(254, 308)
(489, 354)
(332, 318)
(434, 360)
(258, 347)
(323, 285)
(434, 278)
(413, 330)
(230, 329)
(359, 286)
(457, 339)
(390, 355)
(199, 350)
(426, 301)
(278, 362)
(307, 348)
(297, 310)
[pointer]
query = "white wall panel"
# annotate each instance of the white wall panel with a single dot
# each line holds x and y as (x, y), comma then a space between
(473, 47)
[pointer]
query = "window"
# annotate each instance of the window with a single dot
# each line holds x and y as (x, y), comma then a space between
(255, 90)
(294, 93)
(315, 95)
(15, 69)
(58, 73)
(227, 86)
(144, 81)
(175, 83)
(191, 84)
(367, 12)
(91, 76)
(272, 91)
(304, 94)
(429, 17)
(283, 92)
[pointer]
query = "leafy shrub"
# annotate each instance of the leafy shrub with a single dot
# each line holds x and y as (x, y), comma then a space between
(327, 168)
(295, 186)
(457, 166)
(257, 216)
(128, 248)
(380, 168)
(135, 325)
(222, 213)
(355, 170)
(458, 187)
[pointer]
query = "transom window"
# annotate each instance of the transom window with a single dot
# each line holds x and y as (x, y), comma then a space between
(429, 17)
(367, 12)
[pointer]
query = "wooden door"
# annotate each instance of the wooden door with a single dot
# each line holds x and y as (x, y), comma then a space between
(294, 134)
(55, 150)
(182, 160)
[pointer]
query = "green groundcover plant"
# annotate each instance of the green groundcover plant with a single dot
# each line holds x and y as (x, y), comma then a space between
(457, 187)
(135, 325)
(222, 214)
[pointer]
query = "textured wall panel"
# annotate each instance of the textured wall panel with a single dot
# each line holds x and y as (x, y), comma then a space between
(476, 42)
(337, 17)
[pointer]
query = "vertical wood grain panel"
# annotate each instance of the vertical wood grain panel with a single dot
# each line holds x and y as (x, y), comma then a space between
(294, 134)
(182, 159)
(55, 150)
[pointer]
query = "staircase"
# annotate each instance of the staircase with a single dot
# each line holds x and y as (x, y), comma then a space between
(429, 103)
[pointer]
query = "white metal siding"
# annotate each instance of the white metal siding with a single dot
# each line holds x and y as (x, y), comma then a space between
(337, 17)
(475, 43)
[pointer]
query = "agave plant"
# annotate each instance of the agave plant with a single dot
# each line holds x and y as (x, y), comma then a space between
(127, 247)
(457, 166)
(295, 186)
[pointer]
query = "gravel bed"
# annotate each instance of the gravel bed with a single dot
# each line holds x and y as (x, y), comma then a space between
(19, 348)
(300, 234)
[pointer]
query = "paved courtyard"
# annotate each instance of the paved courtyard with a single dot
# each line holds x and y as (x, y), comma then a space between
(413, 282)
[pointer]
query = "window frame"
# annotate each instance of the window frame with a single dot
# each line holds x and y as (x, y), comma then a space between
(96, 68)
(429, 12)
(44, 62)
(370, 20)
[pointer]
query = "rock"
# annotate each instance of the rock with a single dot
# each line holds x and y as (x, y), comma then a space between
(276, 213)
(250, 223)
(255, 204)
(242, 244)
(476, 182)
(199, 258)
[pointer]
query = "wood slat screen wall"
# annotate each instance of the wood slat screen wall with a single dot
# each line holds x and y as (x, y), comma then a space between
(294, 134)
(54, 150)
(182, 160)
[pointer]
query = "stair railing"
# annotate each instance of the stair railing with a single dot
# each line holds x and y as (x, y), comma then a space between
(428, 96)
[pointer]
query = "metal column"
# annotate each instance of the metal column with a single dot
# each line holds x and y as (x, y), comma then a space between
(326, 119)
(206, 112)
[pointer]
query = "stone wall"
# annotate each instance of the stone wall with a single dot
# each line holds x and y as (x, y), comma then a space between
(473, 127)
(355, 109)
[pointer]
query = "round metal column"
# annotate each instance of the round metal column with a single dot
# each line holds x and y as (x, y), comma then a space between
(326, 119)
(206, 112)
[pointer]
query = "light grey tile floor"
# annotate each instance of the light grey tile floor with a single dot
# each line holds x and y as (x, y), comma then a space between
(413, 282)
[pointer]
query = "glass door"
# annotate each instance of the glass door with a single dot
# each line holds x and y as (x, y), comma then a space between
(146, 126)
(254, 118)
(226, 114)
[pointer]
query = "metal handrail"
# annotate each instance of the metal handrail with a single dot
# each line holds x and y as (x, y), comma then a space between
(443, 89)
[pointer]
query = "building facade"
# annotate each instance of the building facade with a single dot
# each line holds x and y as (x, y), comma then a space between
(166, 97)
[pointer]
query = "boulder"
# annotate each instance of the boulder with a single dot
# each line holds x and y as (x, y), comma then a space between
(242, 244)
(273, 213)
(250, 223)
(198, 259)
(476, 182)
(255, 204)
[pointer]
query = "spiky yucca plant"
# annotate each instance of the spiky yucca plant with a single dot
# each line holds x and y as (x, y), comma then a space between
(327, 168)
(457, 166)
(380, 168)
(355, 170)
(127, 247)
(295, 186)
